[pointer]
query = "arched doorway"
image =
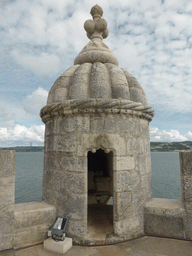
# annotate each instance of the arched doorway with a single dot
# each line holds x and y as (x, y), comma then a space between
(100, 195)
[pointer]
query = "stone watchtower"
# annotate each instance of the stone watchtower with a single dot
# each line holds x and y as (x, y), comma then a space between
(97, 143)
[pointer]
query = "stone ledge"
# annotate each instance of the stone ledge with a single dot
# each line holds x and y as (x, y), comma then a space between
(164, 206)
(164, 217)
(33, 213)
(32, 221)
(30, 236)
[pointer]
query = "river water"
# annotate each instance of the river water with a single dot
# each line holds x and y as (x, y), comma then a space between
(29, 173)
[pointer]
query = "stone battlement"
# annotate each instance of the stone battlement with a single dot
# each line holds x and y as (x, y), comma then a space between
(27, 224)
(20, 224)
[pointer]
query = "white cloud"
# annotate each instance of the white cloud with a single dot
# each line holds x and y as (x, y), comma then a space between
(189, 135)
(22, 133)
(43, 64)
(168, 136)
(151, 38)
(35, 101)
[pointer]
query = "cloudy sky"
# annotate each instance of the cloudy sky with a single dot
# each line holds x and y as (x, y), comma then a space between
(41, 38)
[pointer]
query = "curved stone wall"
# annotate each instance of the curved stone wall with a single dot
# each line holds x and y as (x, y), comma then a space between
(67, 142)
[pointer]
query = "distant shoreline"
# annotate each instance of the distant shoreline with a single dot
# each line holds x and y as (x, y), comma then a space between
(155, 147)
(170, 146)
(25, 149)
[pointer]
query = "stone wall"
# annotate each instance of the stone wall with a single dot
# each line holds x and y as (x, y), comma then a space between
(186, 188)
(32, 221)
(173, 218)
(164, 217)
(27, 224)
(21, 224)
(67, 142)
(7, 198)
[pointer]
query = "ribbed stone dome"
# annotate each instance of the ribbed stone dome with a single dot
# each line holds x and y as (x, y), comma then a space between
(96, 81)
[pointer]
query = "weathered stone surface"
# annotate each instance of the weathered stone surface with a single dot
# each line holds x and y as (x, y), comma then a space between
(125, 180)
(186, 162)
(30, 235)
(146, 186)
(110, 124)
(89, 141)
(97, 124)
(79, 88)
(137, 95)
(123, 205)
(7, 163)
(99, 81)
(7, 191)
(132, 127)
(164, 217)
(62, 82)
(66, 124)
(124, 163)
(69, 205)
(134, 145)
(83, 123)
(96, 51)
(74, 206)
(186, 185)
(66, 182)
(118, 144)
(6, 241)
(50, 128)
(7, 219)
(49, 143)
(85, 142)
(77, 228)
(187, 220)
(31, 222)
(186, 188)
(119, 85)
(7, 198)
(65, 162)
(186, 175)
(124, 124)
(65, 143)
(144, 128)
(97, 106)
(169, 226)
(166, 206)
(33, 214)
(128, 228)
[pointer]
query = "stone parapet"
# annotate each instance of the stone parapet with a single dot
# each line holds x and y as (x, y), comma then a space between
(7, 198)
(164, 217)
(32, 221)
(186, 188)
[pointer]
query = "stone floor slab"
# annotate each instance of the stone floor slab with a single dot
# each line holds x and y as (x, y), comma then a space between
(145, 246)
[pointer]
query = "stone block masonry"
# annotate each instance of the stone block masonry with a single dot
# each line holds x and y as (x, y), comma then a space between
(65, 169)
(164, 217)
(7, 198)
(21, 224)
(32, 221)
(173, 218)
(186, 188)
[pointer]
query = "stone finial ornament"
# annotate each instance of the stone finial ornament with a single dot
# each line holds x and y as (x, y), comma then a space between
(96, 28)
(96, 50)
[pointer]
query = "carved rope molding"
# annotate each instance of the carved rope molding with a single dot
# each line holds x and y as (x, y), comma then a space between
(71, 107)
